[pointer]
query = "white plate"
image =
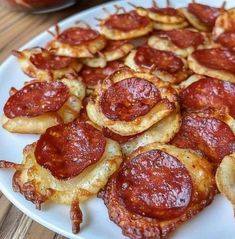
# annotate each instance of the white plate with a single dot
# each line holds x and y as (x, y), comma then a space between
(215, 222)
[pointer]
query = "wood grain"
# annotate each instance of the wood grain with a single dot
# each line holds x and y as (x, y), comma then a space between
(17, 28)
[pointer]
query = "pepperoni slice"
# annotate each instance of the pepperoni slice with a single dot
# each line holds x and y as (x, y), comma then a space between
(126, 21)
(183, 38)
(209, 92)
(36, 98)
(114, 45)
(48, 61)
(163, 60)
(77, 35)
(227, 39)
(128, 99)
(211, 136)
(168, 11)
(204, 13)
(117, 137)
(91, 76)
(155, 184)
(66, 150)
(215, 58)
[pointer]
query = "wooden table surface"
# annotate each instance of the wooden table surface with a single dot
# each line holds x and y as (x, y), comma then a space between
(17, 28)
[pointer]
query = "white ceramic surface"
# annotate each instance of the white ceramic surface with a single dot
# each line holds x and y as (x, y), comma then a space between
(215, 222)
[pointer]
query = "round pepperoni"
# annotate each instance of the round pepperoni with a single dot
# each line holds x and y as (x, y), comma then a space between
(163, 60)
(211, 136)
(36, 98)
(114, 45)
(204, 13)
(168, 11)
(126, 21)
(117, 137)
(227, 39)
(215, 58)
(48, 61)
(183, 38)
(91, 76)
(128, 99)
(155, 184)
(209, 92)
(77, 35)
(66, 150)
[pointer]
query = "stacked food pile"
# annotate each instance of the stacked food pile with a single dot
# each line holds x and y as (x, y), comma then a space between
(141, 113)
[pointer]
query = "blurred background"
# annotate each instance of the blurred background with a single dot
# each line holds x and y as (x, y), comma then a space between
(19, 26)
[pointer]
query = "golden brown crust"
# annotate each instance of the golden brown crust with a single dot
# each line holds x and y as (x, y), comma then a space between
(29, 191)
(115, 34)
(38, 179)
(168, 27)
(162, 18)
(196, 67)
(136, 226)
(194, 21)
(79, 51)
(173, 78)
(75, 216)
(38, 124)
(118, 53)
(225, 178)
(31, 70)
(165, 44)
(224, 23)
(161, 132)
(163, 108)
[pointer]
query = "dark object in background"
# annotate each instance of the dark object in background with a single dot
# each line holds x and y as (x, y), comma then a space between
(37, 6)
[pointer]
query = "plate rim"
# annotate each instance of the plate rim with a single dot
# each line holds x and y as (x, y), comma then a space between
(22, 207)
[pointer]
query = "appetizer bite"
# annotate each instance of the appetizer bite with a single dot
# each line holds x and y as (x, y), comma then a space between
(44, 65)
(127, 25)
(77, 42)
(130, 102)
(41, 104)
(214, 62)
(182, 41)
(69, 164)
(156, 189)
(165, 65)
(202, 16)
(166, 18)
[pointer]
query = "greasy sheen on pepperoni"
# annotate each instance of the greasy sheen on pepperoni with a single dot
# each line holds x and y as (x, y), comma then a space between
(211, 136)
(36, 98)
(168, 11)
(155, 184)
(117, 137)
(126, 21)
(66, 150)
(209, 92)
(162, 60)
(77, 35)
(114, 45)
(227, 39)
(128, 99)
(48, 61)
(216, 58)
(91, 76)
(183, 38)
(204, 13)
